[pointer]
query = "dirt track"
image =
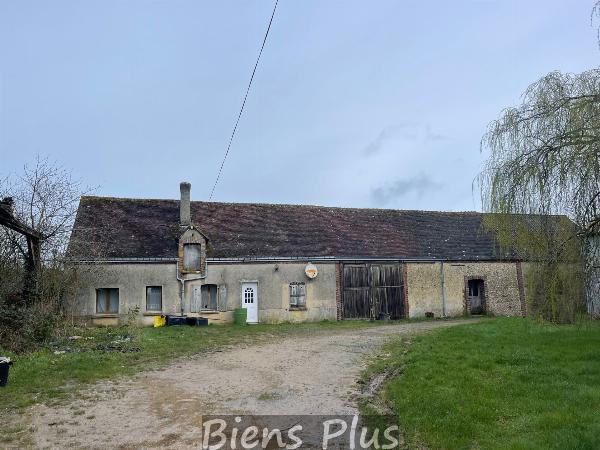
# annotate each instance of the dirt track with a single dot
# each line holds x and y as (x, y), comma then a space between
(162, 409)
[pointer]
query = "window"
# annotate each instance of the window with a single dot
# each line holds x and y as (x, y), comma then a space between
(153, 298)
(191, 257)
(107, 301)
(248, 295)
(474, 287)
(209, 297)
(298, 295)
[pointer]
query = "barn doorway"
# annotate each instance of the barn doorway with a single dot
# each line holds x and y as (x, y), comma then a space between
(475, 296)
(372, 290)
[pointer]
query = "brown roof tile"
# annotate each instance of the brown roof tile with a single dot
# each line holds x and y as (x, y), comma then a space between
(108, 228)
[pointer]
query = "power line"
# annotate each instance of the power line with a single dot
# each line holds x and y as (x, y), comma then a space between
(244, 102)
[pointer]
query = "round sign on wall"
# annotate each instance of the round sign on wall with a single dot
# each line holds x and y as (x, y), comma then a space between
(311, 270)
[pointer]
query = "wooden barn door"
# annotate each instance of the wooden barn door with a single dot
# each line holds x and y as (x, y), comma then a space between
(372, 288)
(357, 295)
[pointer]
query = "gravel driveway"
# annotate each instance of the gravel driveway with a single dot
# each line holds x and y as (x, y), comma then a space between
(303, 374)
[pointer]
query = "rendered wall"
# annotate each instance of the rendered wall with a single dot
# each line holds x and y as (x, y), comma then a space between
(273, 290)
(131, 280)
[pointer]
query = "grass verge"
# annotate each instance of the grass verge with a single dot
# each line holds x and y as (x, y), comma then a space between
(508, 383)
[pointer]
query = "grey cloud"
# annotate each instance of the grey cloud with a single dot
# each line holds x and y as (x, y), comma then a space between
(388, 133)
(420, 184)
(403, 131)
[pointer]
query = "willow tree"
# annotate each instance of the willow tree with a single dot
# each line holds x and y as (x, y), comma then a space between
(544, 164)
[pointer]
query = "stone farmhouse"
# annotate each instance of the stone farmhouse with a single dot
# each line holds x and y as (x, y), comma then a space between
(285, 262)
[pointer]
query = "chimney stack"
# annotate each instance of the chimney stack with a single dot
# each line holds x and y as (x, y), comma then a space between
(7, 204)
(184, 204)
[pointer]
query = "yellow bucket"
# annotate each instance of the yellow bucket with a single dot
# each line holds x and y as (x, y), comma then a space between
(160, 321)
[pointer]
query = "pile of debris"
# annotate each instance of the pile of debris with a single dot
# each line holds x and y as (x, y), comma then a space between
(80, 344)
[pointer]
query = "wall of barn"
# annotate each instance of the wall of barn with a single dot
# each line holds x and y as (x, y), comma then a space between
(273, 290)
(503, 294)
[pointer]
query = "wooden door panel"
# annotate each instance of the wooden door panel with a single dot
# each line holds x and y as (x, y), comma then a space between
(372, 288)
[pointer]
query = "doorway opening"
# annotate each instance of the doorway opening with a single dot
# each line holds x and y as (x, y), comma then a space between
(475, 290)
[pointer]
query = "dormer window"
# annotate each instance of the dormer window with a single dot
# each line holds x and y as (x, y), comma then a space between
(192, 252)
(191, 257)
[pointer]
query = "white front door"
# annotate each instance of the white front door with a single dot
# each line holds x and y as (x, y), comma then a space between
(250, 301)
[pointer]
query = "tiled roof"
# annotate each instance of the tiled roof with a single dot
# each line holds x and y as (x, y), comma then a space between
(112, 228)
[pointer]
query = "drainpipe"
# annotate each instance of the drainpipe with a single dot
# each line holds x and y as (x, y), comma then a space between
(443, 283)
(182, 290)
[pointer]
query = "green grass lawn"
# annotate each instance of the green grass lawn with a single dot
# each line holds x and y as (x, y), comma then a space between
(509, 383)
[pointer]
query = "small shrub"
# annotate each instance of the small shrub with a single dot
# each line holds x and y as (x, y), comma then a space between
(132, 316)
(24, 328)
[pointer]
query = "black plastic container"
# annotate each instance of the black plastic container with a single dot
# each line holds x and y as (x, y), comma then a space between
(197, 321)
(176, 320)
(4, 369)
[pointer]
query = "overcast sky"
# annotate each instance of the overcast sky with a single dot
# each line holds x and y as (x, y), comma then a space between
(355, 103)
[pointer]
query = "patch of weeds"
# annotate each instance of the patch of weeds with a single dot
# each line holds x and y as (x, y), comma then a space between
(266, 396)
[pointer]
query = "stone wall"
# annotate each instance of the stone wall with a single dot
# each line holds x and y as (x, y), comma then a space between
(425, 280)
(423, 289)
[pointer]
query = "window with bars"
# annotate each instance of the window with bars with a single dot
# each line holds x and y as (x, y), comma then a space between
(153, 298)
(107, 301)
(298, 295)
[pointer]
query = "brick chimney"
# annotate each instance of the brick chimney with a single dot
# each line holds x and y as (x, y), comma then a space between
(184, 204)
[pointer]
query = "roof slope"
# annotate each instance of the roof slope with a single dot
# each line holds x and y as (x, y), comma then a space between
(107, 228)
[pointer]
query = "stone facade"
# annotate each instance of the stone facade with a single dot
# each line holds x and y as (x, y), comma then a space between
(430, 287)
(192, 236)
(440, 288)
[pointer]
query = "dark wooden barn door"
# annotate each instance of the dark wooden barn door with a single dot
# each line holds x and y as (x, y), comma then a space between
(372, 288)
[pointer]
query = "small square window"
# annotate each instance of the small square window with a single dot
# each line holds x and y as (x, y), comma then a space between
(191, 257)
(153, 298)
(107, 301)
(298, 295)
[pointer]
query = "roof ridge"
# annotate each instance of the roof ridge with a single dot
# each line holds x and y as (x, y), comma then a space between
(280, 205)
(134, 199)
(297, 205)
